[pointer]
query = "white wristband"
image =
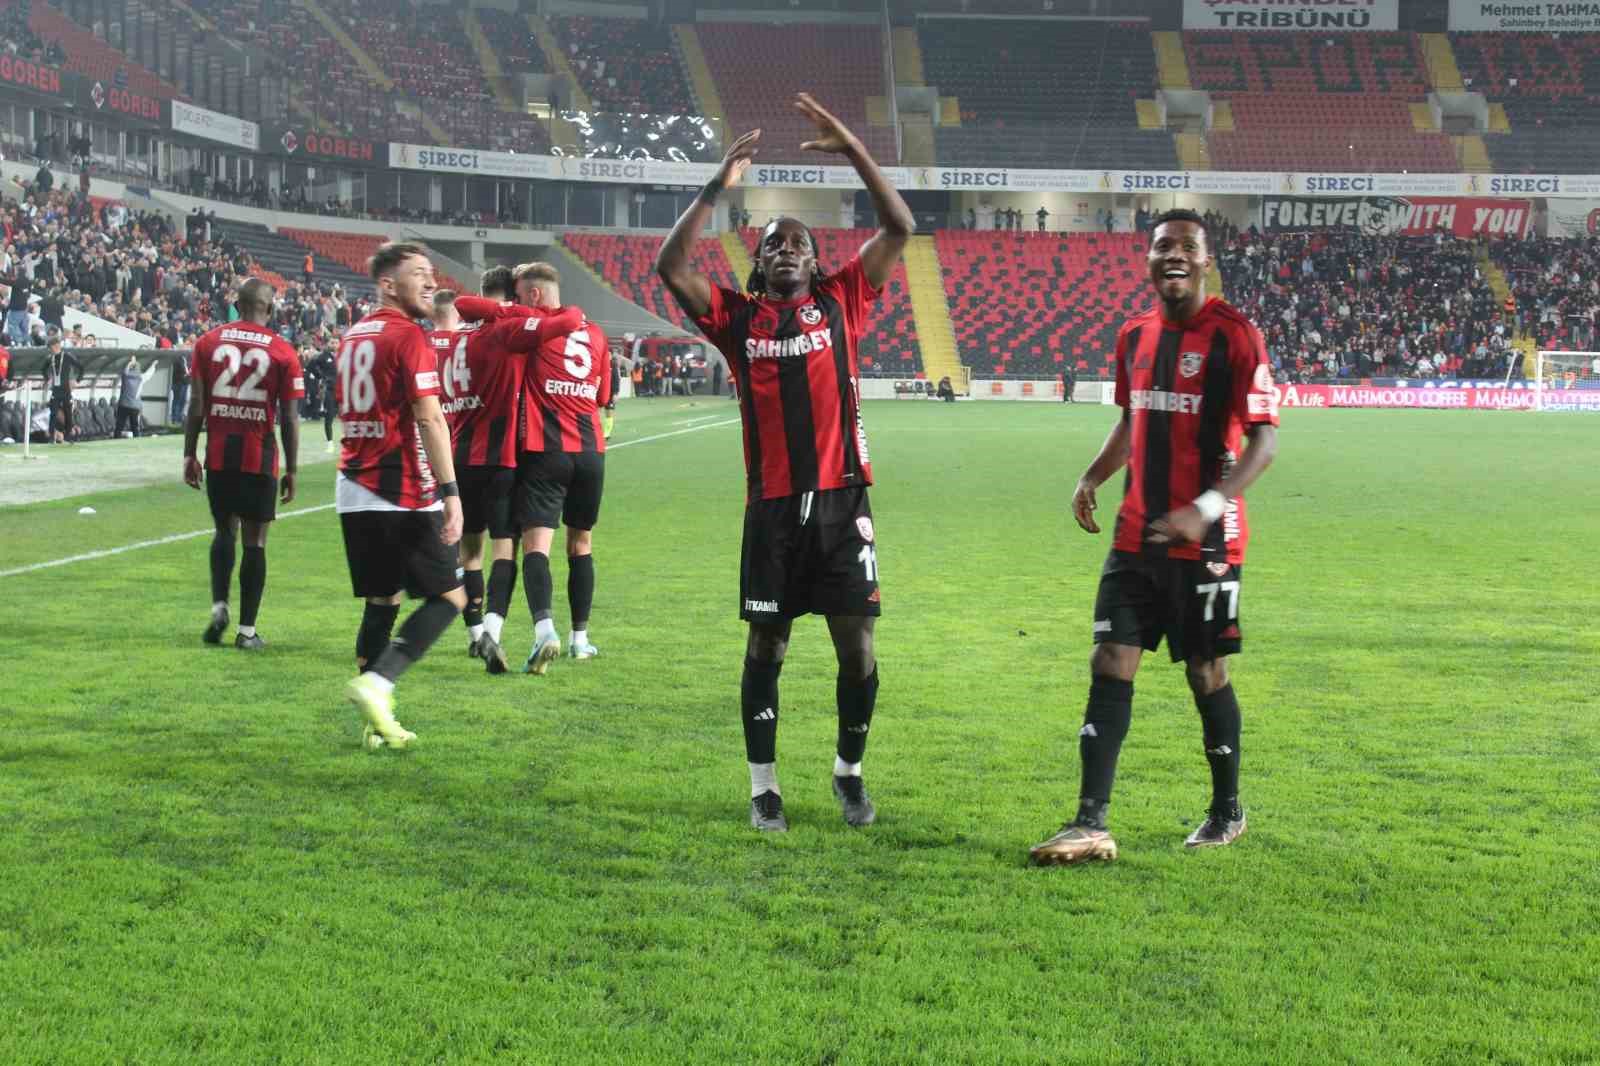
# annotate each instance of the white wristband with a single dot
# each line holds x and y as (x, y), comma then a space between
(1211, 504)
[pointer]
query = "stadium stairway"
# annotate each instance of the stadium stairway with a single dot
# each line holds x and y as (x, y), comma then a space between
(701, 83)
(1172, 64)
(738, 255)
(562, 135)
(1192, 151)
(1443, 74)
(1501, 288)
(936, 335)
(488, 60)
(1473, 154)
(369, 66)
(907, 57)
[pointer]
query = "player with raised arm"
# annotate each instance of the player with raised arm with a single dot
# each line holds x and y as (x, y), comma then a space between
(245, 377)
(1193, 382)
(396, 493)
(561, 471)
(488, 368)
(809, 543)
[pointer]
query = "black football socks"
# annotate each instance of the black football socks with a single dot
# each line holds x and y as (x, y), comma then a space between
(502, 581)
(536, 584)
(580, 590)
(472, 582)
(758, 700)
(377, 622)
(417, 634)
(252, 583)
(1105, 726)
(221, 566)
(856, 698)
(1219, 721)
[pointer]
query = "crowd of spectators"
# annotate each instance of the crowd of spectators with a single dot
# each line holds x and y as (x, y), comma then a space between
(1555, 287)
(140, 271)
(18, 38)
(1353, 305)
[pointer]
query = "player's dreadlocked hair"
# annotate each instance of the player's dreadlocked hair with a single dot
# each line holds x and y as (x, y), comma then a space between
(756, 283)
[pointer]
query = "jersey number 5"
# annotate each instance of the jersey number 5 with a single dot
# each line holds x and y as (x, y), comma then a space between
(579, 359)
(251, 391)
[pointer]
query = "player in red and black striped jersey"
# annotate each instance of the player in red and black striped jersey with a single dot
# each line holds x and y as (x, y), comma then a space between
(246, 377)
(1194, 384)
(809, 543)
(444, 337)
(493, 352)
(396, 493)
(561, 471)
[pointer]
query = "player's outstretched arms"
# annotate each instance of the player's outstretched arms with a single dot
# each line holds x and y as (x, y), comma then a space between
(1113, 457)
(896, 223)
(688, 286)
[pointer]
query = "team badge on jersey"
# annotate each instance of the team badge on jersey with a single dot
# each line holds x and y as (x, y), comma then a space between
(1189, 364)
(864, 527)
(811, 314)
(1219, 569)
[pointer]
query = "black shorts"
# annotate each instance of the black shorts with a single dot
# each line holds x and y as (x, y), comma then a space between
(486, 494)
(812, 553)
(1194, 604)
(250, 496)
(393, 550)
(559, 488)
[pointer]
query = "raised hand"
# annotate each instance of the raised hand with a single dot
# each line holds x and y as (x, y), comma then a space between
(737, 159)
(833, 136)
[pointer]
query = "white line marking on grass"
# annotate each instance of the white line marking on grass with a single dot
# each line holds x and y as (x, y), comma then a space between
(175, 537)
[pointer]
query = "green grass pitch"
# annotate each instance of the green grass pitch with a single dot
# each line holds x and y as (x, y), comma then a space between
(199, 864)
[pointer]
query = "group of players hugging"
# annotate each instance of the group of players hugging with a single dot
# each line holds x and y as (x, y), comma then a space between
(517, 447)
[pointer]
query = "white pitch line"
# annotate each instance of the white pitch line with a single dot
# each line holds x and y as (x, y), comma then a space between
(175, 537)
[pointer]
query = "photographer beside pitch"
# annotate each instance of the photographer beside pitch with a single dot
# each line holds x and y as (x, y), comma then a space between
(1193, 381)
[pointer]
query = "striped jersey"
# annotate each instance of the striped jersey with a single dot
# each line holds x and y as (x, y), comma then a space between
(794, 362)
(1188, 392)
(247, 371)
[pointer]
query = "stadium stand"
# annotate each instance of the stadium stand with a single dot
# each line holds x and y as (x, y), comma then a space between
(1552, 283)
(627, 265)
(147, 275)
(351, 251)
(1542, 81)
(88, 55)
(625, 65)
(1024, 304)
(842, 64)
(284, 255)
(442, 73)
(512, 40)
(1317, 101)
(1348, 305)
(1044, 93)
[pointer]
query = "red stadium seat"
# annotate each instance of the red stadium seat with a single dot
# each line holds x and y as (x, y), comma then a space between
(1018, 302)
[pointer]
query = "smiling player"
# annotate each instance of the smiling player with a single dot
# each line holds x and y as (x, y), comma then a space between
(1193, 382)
